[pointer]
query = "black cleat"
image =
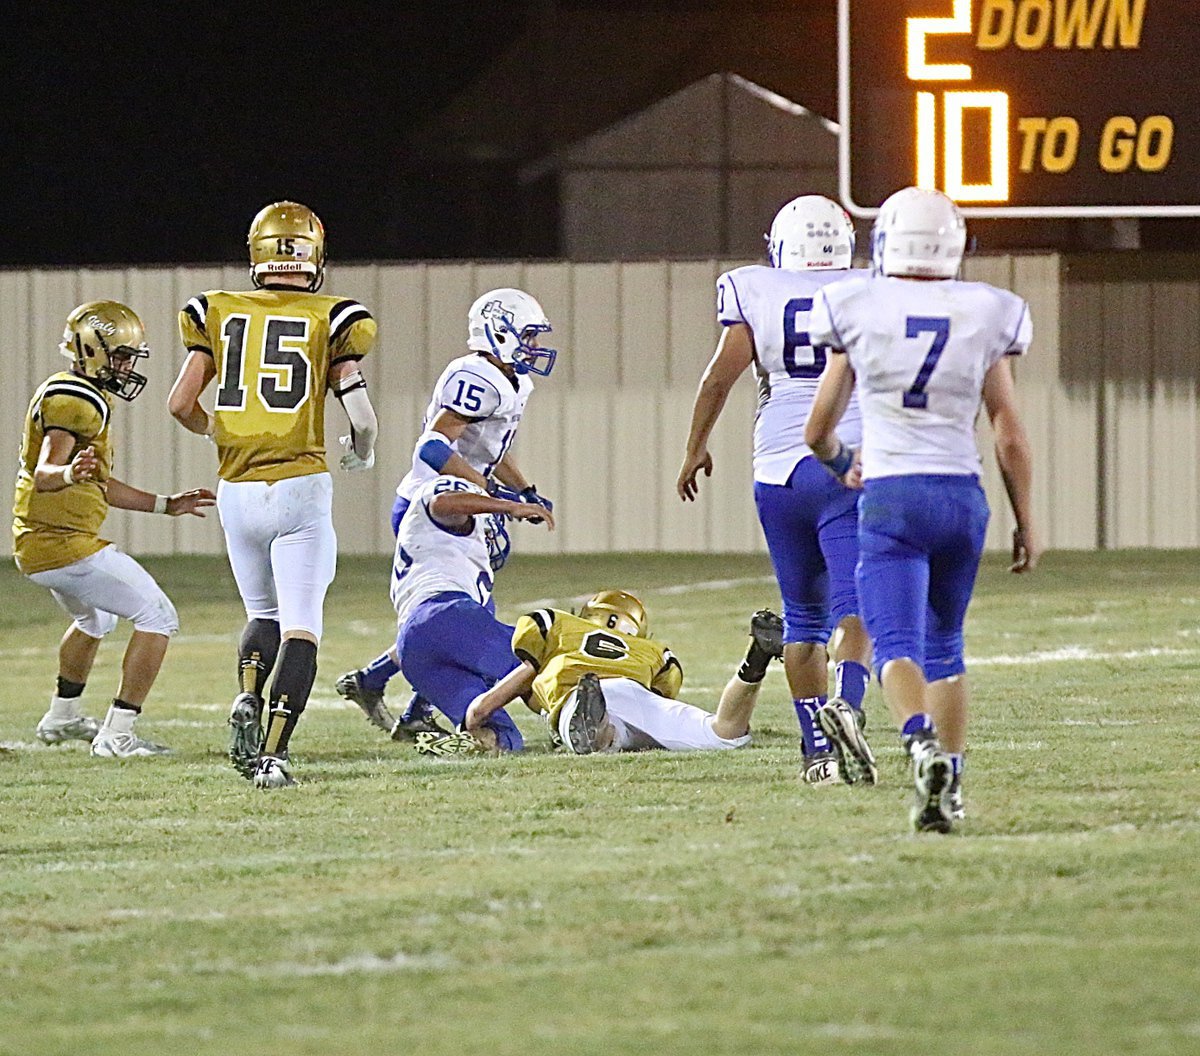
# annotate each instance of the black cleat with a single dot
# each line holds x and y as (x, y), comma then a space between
(370, 701)
(933, 775)
(766, 628)
(585, 717)
(245, 733)
(842, 725)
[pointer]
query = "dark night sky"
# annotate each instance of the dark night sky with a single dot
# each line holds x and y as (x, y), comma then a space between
(139, 133)
(145, 134)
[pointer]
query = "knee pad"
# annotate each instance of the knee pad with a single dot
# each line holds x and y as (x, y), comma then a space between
(97, 623)
(157, 616)
(805, 623)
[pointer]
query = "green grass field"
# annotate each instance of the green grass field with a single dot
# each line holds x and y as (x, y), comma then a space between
(618, 904)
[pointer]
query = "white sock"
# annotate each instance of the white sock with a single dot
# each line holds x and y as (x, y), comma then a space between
(119, 720)
(62, 708)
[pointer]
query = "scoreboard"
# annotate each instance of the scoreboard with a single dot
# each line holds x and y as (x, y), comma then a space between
(1022, 108)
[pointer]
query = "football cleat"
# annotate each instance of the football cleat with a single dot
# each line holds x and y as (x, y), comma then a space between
(245, 733)
(111, 745)
(583, 721)
(272, 771)
(766, 628)
(370, 701)
(821, 768)
(408, 729)
(933, 775)
(76, 728)
(841, 724)
(958, 810)
(446, 744)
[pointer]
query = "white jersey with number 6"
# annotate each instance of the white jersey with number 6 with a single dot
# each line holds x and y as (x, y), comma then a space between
(775, 303)
(475, 388)
(432, 559)
(920, 351)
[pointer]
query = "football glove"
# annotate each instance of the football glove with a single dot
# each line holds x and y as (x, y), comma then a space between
(530, 494)
(351, 462)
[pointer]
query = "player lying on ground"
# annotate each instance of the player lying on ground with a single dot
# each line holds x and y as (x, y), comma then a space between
(468, 431)
(604, 686)
(64, 489)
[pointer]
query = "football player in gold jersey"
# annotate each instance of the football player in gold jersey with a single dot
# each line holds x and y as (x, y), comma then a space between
(65, 485)
(605, 686)
(274, 351)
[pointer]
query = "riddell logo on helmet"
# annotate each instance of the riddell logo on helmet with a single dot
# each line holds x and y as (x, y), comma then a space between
(280, 265)
(105, 327)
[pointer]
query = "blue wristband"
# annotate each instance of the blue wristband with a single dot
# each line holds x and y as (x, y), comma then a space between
(435, 454)
(840, 462)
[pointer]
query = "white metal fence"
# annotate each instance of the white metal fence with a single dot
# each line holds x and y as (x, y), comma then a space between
(603, 436)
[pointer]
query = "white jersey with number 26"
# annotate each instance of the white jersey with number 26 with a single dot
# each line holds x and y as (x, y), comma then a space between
(775, 303)
(477, 389)
(433, 559)
(920, 350)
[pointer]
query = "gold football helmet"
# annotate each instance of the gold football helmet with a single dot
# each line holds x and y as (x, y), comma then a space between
(617, 610)
(103, 340)
(287, 238)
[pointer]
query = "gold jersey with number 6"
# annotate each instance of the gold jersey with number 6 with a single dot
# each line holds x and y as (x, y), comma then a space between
(272, 349)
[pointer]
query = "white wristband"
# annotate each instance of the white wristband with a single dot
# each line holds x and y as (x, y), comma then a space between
(160, 503)
(68, 476)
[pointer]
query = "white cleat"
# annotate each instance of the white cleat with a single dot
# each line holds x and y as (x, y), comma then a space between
(75, 728)
(821, 768)
(272, 772)
(110, 745)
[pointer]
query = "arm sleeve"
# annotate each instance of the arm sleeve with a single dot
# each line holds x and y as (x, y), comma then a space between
(1022, 335)
(729, 304)
(531, 637)
(80, 414)
(822, 330)
(669, 679)
(193, 325)
(352, 331)
(470, 395)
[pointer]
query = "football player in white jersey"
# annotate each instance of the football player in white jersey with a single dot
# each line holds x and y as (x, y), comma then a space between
(924, 350)
(467, 432)
(449, 643)
(808, 519)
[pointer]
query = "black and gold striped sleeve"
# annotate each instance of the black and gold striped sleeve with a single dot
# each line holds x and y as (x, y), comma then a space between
(193, 325)
(669, 679)
(73, 406)
(531, 637)
(352, 331)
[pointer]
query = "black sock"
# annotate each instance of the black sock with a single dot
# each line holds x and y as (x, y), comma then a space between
(124, 705)
(256, 655)
(69, 689)
(754, 667)
(289, 692)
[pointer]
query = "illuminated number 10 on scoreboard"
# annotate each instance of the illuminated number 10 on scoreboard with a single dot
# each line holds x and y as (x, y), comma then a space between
(1023, 107)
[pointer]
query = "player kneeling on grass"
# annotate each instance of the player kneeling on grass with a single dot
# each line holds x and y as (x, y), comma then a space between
(64, 489)
(450, 645)
(605, 686)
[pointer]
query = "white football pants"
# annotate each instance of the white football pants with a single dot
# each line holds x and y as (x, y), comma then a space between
(643, 719)
(109, 584)
(282, 547)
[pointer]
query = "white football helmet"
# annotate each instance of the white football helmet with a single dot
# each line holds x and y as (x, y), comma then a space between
(506, 323)
(918, 233)
(809, 233)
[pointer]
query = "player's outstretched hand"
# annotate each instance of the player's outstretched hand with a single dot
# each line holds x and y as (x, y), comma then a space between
(1026, 551)
(687, 485)
(532, 512)
(193, 502)
(84, 465)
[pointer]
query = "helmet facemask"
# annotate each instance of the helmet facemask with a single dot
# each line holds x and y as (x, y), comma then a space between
(517, 347)
(103, 340)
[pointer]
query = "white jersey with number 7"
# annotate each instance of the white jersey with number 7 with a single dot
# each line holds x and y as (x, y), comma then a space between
(920, 351)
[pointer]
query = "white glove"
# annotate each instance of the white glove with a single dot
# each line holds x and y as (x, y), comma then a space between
(351, 462)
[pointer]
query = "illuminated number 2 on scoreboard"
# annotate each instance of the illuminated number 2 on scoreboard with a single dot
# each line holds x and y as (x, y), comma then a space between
(955, 103)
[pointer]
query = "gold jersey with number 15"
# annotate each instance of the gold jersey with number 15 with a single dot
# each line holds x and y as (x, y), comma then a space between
(272, 349)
